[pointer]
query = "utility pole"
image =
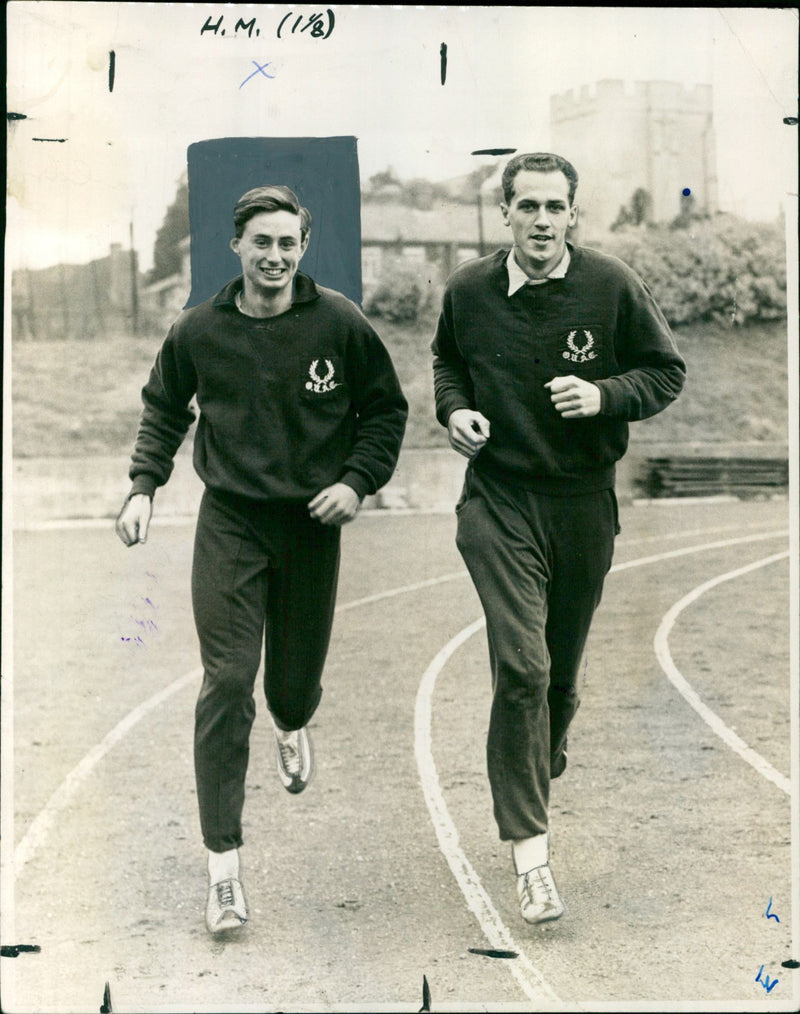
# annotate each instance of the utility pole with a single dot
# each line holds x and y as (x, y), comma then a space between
(481, 246)
(134, 284)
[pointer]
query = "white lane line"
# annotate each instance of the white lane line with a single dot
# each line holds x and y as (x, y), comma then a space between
(689, 533)
(402, 590)
(61, 798)
(478, 901)
(44, 820)
(75, 524)
(715, 723)
(688, 550)
(527, 975)
(460, 574)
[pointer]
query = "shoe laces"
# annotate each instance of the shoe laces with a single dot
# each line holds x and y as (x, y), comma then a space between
(290, 754)
(225, 894)
(539, 886)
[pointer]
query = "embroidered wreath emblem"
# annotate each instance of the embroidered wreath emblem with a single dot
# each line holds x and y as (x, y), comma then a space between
(582, 354)
(318, 384)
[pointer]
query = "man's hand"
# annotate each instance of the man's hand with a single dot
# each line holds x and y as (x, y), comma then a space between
(574, 398)
(335, 505)
(468, 431)
(134, 519)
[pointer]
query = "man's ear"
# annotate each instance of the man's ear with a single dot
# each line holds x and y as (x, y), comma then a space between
(304, 242)
(573, 216)
(234, 244)
(504, 210)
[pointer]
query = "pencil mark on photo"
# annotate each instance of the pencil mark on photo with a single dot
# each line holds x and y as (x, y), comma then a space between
(260, 69)
(769, 913)
(14, 950)
(112, 61)
(316, 22)
(145, 624)
(443, 61)
(217, 29)
(105, 1007)
(766, 982)
(208, 27)
(490, 952)
(426, 996)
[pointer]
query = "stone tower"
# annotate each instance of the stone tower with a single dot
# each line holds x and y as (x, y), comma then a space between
(656, 136)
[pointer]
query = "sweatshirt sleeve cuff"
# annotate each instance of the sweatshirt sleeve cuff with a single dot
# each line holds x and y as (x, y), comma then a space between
(357, 482)
(143, 483)
(610, 403)
(450, 404)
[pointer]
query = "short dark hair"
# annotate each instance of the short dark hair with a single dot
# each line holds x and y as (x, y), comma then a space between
(540, 162)
(269, 198)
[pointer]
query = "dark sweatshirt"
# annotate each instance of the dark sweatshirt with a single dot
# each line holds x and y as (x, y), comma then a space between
(494, 353)
(288, 404)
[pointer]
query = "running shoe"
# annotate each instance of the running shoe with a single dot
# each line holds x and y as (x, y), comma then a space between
(226, 908)
(295, 759)
(538, 896)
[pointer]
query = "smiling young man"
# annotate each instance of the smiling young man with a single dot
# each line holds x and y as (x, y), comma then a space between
(300, 415)
(542, 356)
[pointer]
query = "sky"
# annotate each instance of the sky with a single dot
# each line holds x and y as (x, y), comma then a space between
(377, 75)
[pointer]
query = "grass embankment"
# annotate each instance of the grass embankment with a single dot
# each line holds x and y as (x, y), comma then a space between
(82, 398)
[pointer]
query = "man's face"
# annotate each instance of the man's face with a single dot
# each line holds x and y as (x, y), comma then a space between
(270, 249)
(539, 215)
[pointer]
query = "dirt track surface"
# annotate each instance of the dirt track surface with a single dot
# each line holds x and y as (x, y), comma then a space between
(667, 846)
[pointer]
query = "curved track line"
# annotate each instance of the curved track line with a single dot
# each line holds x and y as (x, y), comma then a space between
(44, 820)
(402, 590)
(492, 925)
(61, 798)
(715, 723)
(690, 532)
(688, 550)
(480, 904)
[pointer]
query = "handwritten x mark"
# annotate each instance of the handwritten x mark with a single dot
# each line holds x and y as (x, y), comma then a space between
(260, 69)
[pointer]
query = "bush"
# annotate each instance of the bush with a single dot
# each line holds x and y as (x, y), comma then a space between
(722, 268)
(404, 292)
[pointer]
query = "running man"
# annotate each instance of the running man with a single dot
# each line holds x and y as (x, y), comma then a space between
(542, 356)
(300, 416)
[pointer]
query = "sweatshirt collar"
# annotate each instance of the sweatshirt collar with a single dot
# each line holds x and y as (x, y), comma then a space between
(305, 291)
(517, 278)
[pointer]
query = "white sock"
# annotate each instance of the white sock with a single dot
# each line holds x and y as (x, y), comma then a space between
(528, 853)
(223, 866)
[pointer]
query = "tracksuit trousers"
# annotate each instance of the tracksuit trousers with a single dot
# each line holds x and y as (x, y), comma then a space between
(538, 563)
(264, 574)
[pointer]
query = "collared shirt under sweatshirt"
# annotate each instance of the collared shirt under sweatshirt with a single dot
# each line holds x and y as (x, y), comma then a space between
(288, 404)
(493, 353)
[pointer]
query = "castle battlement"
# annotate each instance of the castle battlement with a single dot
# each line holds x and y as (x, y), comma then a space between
(624, 136)
(614, 95)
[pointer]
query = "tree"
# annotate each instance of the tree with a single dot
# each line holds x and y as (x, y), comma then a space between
(638, 212)
(174, 228)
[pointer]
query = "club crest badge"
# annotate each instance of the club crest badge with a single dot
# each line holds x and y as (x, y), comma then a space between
(318, 384)
(579, 353)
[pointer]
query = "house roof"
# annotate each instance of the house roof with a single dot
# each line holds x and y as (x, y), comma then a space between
(444, 223)
(170, 282)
